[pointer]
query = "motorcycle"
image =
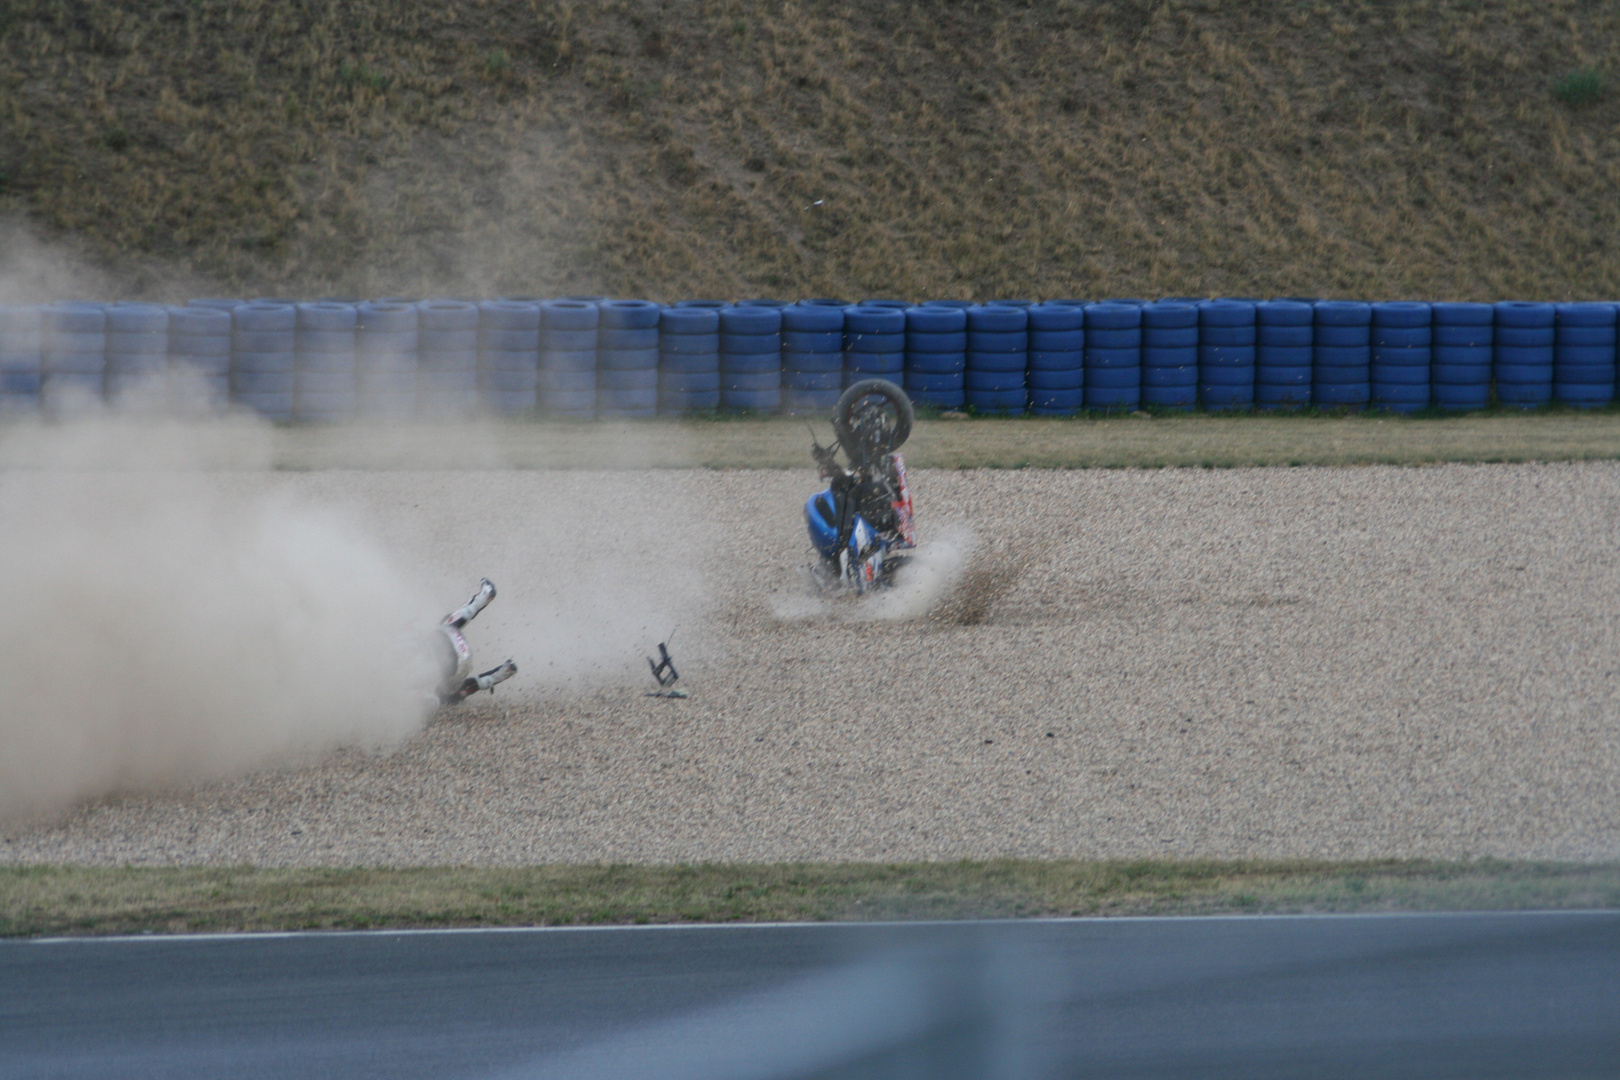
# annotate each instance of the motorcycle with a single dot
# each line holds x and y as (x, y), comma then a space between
(862, 521)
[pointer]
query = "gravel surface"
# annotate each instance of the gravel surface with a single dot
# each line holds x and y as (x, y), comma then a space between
(1183, 663)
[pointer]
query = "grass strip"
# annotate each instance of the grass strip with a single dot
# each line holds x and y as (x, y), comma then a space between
(81, 900)
(1125, 442)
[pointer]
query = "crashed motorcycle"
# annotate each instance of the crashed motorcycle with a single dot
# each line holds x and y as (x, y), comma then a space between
(862, 521)
(454, 655)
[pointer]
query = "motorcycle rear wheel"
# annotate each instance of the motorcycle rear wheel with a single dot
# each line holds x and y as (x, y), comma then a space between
(874, 413)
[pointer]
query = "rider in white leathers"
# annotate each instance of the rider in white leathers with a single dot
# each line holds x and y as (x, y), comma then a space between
(455, 656)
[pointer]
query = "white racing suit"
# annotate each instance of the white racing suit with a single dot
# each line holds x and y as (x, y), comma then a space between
(456, 683)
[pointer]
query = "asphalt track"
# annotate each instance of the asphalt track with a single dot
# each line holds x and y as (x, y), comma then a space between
(1450, 995)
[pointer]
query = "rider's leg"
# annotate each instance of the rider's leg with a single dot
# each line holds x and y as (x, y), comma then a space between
(467, 612)
(487, 681)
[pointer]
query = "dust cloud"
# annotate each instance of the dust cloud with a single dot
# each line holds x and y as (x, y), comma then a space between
(929, 576)
(170, 617)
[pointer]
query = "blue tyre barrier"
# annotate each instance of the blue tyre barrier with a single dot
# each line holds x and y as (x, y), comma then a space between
(1461, 355)
(681, 321)
(812, 341)
(1522, 362)
(509, 340)
(1069, 379)
(1170, 355)
(673, 342)
(568, 340)
(937, 363)
(936, 355)
(689, 356)
(998, 401)
(386, 358)
(994, 377)
(697, 363)
(74, 353)
(137, 346)
(627, 359)
(199, 321)
(750, 344)
(866, 365)
(1057, 341)
(263, 373)
(874, 342)
(932, 318)
(1341, 375)
(860, 320)
(21, 358)
(1584, 354)
(447, 357)
(816, 363)
(983, 318)
(813, 380)
(750, 320)
(1049, 401)
(751, 357)
(1398, 368)
(1284, 352)
(998, 381)
(630, 315)
(326, 383)
(1112, 356)
(1226, 353)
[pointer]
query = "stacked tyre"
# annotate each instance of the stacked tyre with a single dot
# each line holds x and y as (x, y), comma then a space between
(446, 358)
(1283, 354)
(1170, 354)
(1399, 372)
(1523, 345)
(21, 358)
(627, 359)
(328, 383)
(1584, 355)
(509, 355)
(874, 342)
(751, 358)
(1226, 354)
(1113, 376)
(1341, 372)
(812, 357)
(1057, 358)
(568, 342)
(689, 356)
(75, 354)
(264, 338)
(200, 345)
(1461, 355)
(936, 355)
(137, 347)
(386, 344)
(997, 358)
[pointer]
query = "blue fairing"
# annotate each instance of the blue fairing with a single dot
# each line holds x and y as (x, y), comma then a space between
(821, 518)
(822, 521)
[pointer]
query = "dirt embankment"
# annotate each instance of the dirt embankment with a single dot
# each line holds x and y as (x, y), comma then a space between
(638, 147)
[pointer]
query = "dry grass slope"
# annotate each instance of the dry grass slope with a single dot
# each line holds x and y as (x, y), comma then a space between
(1390, 148)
